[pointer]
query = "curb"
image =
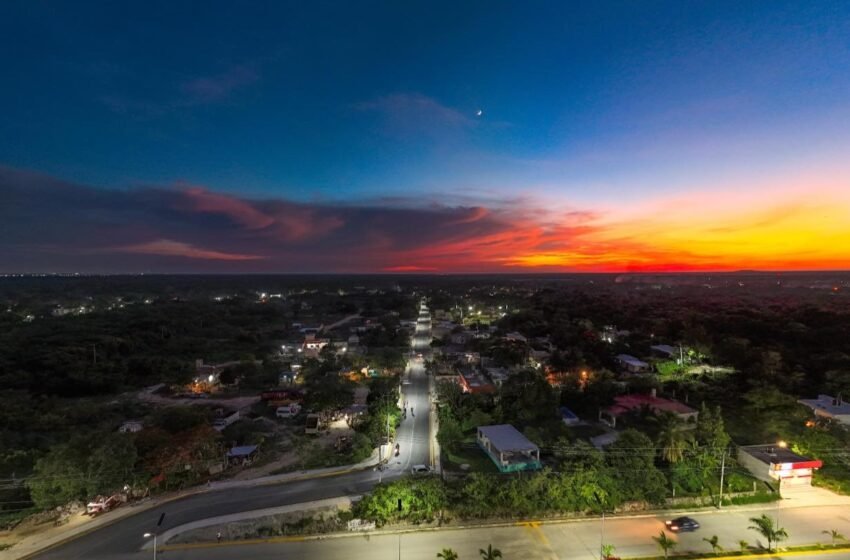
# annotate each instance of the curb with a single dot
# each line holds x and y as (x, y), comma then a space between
(173, 532)
(142, 508)
(147, 506)
(502, 524)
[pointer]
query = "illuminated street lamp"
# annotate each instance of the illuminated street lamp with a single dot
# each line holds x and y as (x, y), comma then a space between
(782, 443)
(149, 535)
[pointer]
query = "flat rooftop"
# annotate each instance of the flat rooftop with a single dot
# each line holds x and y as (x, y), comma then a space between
(828, 404)
(631, 360)
(770, 454)
(505, 437)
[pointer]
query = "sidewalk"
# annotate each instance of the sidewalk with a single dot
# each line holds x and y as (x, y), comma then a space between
(165, 536)
(372, 461)
(53, 536)
(631, 533)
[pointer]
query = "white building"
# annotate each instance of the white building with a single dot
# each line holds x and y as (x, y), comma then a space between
(829, 407)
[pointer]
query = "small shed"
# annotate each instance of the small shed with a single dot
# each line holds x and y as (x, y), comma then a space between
(242, 455)
(632, 364)
(131, 426)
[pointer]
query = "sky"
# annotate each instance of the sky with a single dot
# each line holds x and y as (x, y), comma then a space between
(424, 136)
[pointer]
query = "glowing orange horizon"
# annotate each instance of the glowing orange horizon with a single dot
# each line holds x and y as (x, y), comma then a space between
(779, 229)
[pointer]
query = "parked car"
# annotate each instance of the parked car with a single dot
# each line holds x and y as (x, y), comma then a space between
(420, 469)
(682, 524)
(288, 411)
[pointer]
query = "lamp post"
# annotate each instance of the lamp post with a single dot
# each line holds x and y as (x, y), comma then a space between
(149, 535)
(722, 473)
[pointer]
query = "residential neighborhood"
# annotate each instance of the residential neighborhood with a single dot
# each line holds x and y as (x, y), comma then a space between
(463, 388)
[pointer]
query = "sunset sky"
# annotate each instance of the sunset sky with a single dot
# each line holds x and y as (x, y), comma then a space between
(424, 136)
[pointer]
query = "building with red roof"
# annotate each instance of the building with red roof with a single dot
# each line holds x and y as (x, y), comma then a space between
(625, 404)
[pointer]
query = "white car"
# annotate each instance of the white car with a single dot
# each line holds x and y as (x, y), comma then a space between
(420, 469)
(288, 411)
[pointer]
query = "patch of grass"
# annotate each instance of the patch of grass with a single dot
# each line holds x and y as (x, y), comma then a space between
(477, 460)
(587, 431)
(12, 518)
(749, 553)
(756, 499)
(834, 478)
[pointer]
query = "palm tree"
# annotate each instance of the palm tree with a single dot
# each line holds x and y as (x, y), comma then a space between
(490, 554)
(743, 545)
(714, 542)
(834, 535)
(665, 543)
(447, 554)
(766, 527)
(608, 550)
(672, 439)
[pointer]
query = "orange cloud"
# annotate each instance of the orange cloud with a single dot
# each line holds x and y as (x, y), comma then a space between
(749, 228)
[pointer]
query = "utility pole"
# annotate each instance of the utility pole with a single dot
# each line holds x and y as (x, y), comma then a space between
(722, 473)
(602, 537)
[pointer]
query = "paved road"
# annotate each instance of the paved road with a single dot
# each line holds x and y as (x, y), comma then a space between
(125, 536)
(413, 435)
(563, 541)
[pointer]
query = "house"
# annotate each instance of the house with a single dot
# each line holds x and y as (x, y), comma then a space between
(666, 350)
(540, 355)
(313, 344)
(632, 364)
(131, 427)
(498, 375)
(286, 377)
(242, 455)
(631, 403)
(829, 407)
(516, 337)
(221, 423)
(475, 383)
(611, 334)
(508, 448)
(568, 417)
(460, 338)
(207, 375)
(775, 463)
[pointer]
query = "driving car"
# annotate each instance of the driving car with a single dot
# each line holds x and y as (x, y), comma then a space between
(682, 524)
(420, 469)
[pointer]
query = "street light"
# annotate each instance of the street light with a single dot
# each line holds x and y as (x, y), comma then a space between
(782, 443)
(149, 535)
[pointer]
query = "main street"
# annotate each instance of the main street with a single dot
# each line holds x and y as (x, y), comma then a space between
(125, 537)
(578, 540)
(413, 436)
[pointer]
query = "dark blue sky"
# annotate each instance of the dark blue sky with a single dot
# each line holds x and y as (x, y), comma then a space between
(587, 108)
